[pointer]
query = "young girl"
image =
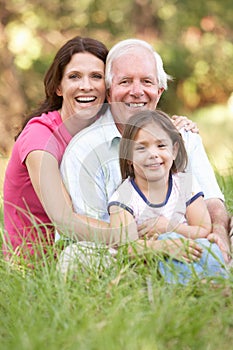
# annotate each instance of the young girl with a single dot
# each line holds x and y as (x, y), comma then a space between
(153, 161)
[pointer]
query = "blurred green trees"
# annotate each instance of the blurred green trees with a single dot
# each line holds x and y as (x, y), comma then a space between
(195, 40)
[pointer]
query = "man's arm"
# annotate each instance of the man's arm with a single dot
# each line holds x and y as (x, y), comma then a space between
(219, 215)
(200, 166)
(220, 226)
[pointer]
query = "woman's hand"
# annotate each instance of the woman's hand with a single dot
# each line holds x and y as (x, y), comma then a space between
(181, 121)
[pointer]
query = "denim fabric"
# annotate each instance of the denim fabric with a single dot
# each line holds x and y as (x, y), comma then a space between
(211, 263)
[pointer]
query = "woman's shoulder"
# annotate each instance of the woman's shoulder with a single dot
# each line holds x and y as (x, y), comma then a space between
(41, 126)
(50, 119)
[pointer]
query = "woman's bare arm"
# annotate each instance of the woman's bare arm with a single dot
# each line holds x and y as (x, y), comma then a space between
(47, 182)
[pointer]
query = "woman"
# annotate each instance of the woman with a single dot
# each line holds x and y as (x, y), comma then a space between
(34, 198)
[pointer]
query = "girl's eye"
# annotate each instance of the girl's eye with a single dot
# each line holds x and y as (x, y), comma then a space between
(140, 148)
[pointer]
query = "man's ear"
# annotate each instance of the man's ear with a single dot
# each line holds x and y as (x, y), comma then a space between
(108, 95)
(160, 91)
(59, 91)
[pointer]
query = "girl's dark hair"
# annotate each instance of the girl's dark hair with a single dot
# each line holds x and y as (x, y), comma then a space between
(139, 121)
(54, 74)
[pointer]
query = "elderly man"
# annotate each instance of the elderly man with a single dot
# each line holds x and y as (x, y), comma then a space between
(135, 80)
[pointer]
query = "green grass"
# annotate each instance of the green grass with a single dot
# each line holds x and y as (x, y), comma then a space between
(127, 307)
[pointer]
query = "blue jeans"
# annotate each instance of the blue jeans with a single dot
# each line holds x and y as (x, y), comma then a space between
(211, 263)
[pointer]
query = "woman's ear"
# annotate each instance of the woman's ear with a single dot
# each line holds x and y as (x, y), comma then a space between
(175, 150)
(59, 91)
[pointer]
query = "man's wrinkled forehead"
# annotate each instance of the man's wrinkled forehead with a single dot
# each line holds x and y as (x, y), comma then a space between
(137, 52)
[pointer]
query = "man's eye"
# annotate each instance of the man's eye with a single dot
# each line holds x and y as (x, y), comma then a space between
(162, 145)
(148, 82)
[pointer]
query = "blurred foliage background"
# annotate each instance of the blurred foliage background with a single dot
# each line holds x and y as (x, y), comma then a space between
(195, 40)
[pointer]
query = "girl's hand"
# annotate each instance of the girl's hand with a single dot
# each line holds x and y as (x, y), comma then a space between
(181, 121)
(153, 226)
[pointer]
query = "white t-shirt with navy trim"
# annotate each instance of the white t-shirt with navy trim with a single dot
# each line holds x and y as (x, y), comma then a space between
(183, 189)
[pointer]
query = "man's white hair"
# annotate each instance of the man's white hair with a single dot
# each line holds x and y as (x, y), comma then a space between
(122, 47)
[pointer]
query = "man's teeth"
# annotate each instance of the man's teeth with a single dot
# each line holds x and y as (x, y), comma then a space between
(136, 105)
(85, 99)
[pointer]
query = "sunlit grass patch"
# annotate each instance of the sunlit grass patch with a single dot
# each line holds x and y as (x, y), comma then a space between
(127, 306)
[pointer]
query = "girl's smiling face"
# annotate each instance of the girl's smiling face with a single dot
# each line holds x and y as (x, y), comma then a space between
(153, 154)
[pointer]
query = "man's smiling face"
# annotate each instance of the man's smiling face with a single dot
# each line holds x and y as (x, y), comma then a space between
(134, 85)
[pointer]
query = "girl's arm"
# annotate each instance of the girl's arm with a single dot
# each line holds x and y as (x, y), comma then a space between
(180, 248)
(47, 182)
(123, 223)
(199, 222)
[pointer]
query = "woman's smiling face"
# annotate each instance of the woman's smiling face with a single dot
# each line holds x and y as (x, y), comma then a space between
(82, 86)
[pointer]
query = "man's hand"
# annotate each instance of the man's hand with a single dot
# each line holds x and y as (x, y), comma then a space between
(223, 244)
(181, 121)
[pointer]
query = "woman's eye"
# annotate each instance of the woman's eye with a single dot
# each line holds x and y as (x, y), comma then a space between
(73, 76)
(162, 145)
(97, 76)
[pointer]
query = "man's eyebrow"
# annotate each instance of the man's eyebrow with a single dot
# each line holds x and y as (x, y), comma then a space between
(125, 77)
